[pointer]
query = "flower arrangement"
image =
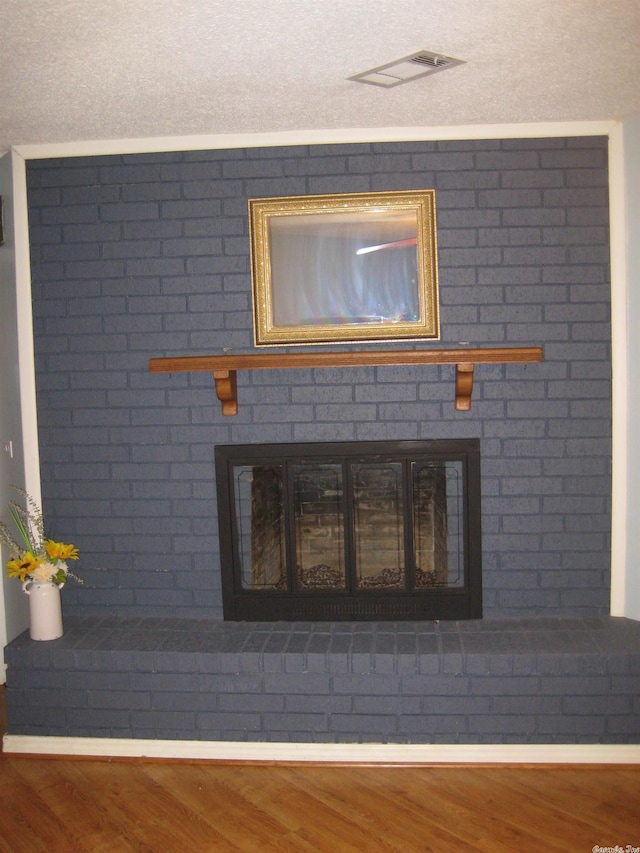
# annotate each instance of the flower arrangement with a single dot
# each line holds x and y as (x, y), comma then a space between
(35, 558)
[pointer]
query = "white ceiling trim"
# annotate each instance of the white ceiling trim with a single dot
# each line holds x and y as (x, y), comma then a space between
(153, 145)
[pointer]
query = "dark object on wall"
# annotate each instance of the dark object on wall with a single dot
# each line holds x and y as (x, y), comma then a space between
(1, 223)
(384, 530)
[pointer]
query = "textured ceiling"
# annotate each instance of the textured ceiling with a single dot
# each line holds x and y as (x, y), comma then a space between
(81, 70)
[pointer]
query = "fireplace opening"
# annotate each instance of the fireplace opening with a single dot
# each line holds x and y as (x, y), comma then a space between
(350, 530)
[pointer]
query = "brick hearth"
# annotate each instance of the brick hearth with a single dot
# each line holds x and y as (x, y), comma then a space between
(491, 681)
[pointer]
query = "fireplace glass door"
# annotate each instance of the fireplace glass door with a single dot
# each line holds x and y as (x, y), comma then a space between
(350, 531)
(318, 522)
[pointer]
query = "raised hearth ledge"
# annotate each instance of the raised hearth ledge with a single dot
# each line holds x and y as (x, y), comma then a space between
(493, 690)
(323, 753)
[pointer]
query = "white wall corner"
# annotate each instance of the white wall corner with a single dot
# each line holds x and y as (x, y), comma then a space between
(629, 241)
(13, 604)
(26, 355)
(617, 215)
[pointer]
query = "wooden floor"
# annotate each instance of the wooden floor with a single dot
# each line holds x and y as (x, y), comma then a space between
(103, 806)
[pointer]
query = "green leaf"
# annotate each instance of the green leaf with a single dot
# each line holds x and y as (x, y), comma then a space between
(22, 529)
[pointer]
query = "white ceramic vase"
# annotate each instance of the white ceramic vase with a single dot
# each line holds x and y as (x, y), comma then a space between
(45, 610)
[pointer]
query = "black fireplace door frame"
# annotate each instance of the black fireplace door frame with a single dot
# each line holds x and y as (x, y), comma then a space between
(292, 605)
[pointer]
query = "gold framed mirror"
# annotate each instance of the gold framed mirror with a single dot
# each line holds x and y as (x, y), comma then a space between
(344, 268)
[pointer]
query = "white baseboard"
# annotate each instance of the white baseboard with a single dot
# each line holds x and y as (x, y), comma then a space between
(333, 753)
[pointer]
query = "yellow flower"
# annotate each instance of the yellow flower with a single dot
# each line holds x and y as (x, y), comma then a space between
(60, 551)
(24, 566)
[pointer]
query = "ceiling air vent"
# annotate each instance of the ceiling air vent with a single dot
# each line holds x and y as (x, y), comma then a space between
(408, 68)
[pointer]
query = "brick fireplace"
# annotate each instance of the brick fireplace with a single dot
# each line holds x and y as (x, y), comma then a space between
(139, 256)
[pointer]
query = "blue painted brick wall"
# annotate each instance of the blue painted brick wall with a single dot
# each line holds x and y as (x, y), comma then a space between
(141, 256)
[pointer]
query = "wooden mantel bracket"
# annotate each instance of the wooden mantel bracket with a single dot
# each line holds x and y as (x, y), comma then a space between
(224, 367)
(227, 390)
(464, 386)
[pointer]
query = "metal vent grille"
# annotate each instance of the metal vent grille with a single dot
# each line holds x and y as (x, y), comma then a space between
(408, 68)
(431, 60)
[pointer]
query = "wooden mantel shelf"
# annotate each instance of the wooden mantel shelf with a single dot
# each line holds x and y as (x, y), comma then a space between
(224, 367)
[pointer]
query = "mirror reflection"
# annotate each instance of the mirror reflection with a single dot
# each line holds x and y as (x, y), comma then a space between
(356, 268)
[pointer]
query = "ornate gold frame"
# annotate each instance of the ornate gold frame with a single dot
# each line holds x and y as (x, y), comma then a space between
(344, 268)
